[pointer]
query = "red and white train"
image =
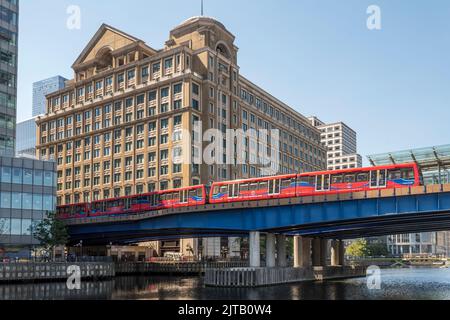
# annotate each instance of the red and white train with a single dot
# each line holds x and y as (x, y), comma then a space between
(285, 186)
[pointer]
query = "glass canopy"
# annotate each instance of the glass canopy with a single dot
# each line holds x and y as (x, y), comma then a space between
(434, 162)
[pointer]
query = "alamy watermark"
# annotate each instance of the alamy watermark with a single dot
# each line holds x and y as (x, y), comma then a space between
(373, 276)
(374, 19)
(74, 278)
(74, 19)
(258, 147)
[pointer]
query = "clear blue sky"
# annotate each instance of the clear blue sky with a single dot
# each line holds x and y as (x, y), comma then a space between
(392, 86)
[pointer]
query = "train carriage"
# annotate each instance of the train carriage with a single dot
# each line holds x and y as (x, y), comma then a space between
(73, 211)
(254, 189)
(285, 186)
(183, 197)
(359, 179)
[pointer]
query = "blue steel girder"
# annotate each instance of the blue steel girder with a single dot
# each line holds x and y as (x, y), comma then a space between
(342, 218)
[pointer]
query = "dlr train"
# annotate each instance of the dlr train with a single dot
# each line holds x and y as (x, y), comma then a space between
(266, 188)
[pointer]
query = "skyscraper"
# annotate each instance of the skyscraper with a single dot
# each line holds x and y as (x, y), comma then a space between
(28, 187)
(8, 74)
(41, 89)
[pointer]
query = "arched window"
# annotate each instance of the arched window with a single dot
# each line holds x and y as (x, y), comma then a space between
(104, 58)
(223, 50)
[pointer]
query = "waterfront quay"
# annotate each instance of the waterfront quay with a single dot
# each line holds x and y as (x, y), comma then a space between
(220, 274)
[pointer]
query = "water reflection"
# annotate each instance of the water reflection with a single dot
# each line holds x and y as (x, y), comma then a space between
(422, 284)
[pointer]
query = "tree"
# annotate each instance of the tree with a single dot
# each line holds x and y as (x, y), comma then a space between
(358, 248)
(51, 232)
(377, 250)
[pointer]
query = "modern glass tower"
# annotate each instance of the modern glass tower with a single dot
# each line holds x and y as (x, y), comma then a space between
(8, 74)
(27, 186)
(41, 89)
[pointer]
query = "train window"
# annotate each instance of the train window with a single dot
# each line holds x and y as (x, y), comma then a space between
(168, 196)
(199, 192)
(216, 190)
(395, 174)
(337, 178)
(183, 196)
(276, 189)
(326, 182)
(254, 186)
(244, 187)
(192, 194)
(382, 178)
(349, 178)
(162, 197)
(373, 179)
(224, 189)
(362, 177)
(285, 183)
(307, 181)
(157, 199)
(176, 196)
(264, 185)
(408, 174)
(319, 183)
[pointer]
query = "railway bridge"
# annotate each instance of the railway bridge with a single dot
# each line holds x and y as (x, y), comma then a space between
(313, 221)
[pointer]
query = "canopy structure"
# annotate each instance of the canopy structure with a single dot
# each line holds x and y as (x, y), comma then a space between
(433, 162)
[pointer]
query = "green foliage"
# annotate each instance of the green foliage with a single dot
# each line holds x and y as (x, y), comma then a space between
(51, 232)
(377, 250)
(360, 248)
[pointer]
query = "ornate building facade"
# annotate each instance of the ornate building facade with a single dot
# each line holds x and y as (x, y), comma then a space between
(114, 128)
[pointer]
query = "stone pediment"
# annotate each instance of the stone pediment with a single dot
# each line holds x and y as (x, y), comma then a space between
(106, 37)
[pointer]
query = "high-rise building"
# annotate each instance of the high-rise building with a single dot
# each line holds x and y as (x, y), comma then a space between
(26, 130)
(340, 141)
(26, 138)
(43, 88)
(28, 186)
(129, 108)
(8, 75)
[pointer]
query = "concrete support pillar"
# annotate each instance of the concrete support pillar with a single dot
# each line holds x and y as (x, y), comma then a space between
(316, 246)
(270, 250)
(323, 252)
(302, 252)
(306, 252)
(281, 251)
(298, 263)
(254, 243)
(335, 254)
(341, 246)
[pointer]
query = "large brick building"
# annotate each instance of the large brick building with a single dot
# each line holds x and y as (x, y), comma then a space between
(113, 128)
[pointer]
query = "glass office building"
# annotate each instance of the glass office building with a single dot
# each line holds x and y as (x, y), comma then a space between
(43, 88)
(8, 74)
(26, 138)
(27, 193)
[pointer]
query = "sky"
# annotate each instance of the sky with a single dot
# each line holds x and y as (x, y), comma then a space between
(392, 86)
